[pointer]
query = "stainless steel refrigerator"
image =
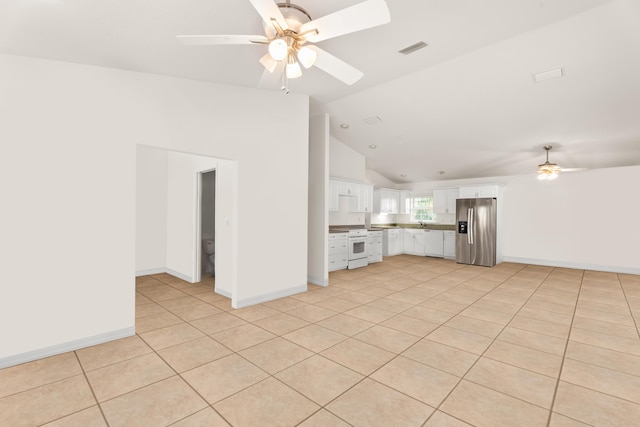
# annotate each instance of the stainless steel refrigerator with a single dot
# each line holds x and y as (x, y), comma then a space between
(476, 231)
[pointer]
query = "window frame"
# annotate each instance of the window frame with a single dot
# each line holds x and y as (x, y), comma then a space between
(415, 207)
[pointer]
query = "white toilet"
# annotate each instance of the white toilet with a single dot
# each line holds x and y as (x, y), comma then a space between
(209, 246)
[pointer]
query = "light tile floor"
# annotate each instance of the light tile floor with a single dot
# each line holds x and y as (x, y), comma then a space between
(412, 341)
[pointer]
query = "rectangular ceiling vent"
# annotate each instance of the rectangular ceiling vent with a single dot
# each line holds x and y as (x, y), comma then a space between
(372, 120)
(548, 75)
(410, 49)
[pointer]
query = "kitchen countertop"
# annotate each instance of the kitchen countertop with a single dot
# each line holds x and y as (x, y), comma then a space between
(429, 226)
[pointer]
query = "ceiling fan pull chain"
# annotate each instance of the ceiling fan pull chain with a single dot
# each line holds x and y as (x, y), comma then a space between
(285, 82)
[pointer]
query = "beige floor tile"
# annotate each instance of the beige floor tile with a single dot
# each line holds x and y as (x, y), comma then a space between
(197, 311)
(180, 303)
(387, 338)
(312, 313)
(332, 291)
(378, 291)
(254, 312)
(37, 373)
(444, 305)
(90, 417)
(410, 325)
(370, 314)
(558, 420)
(605, 358)
(408, 297)
(161, 403)
(242, 337)
(373, 404)
(205, 418)
(390, 305)
(359, 297)
(217, 323)
(171, 335)
(602, 379)
(452, 360)
(496, 306)
(310, 297)
(337, 304)
(284, 304)
(142, 300)
(315, 338)
(149, 309)
(547, 316)
(524, 357)
(319, 379)
(463, 340)
(345, 325)
(427, 384)
(517, 382)
(487, 315)
(540, 327)
(156, 321)
(323, 418)
(481, 406)
(276, 354)
(123, 377)
(440, 419)
(618, 319)
(428, 314)
(281, 323)
(594, 408)
(164, 295)
(192, 354)
(605, 327)
(611, 342)
(101, 355)
(476, 326)
(533, 340)
(46, 403)
(358, 356)
(268, 403)
(603, 306)
(222, 378)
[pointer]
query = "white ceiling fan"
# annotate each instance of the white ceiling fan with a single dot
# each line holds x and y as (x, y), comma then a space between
(548, 171)
(289, 32)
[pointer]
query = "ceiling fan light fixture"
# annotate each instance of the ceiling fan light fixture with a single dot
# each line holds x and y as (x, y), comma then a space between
(293, 70)
(278, 49)
(307, 56)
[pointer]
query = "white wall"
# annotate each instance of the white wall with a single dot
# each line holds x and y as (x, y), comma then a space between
(68, 179)
(580, 220)
(151, 210)
(345, 162)
(318, 252)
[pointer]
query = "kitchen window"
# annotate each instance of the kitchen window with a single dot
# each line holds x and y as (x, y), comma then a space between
(422, 209)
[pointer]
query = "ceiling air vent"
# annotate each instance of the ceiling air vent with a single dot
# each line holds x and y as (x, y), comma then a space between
(410, 49)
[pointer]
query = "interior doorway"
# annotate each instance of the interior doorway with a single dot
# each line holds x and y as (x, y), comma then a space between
(206, 224)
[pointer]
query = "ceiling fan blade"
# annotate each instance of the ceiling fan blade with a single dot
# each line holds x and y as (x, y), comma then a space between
(361, 16)
(336, 67)
(269, 10)
(572, 169)
(272, 79)
(268, 62)
(203, 40)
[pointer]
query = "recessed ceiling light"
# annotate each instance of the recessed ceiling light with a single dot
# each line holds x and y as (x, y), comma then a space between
(441, 172)
(373, 120)
(403, 175)
(548, 75)
(373, 147)
(344, 126)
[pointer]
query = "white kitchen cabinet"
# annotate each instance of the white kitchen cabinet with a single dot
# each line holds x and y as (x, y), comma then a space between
(444, 200)
(405, 202)
(413, 241)
(374, 246)
(338, 251)
(359, 196)
(365, 198)
(386, 200)
(392, 242)
(449, 244)
(334, 196)
(478, 191)
(434, 243)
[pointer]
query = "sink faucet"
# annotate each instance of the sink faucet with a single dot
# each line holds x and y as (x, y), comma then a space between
(422, 224)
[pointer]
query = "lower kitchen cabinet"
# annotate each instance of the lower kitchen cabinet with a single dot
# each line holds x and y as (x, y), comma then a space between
(434, 243)
(374, 246)
(413, 241)
(392, 242)
(338, 251)
(450, 244)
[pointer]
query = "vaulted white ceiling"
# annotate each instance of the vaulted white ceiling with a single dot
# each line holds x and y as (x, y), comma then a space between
(466, 104)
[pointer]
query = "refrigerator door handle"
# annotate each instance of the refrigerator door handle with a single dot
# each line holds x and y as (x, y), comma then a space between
(471, 231)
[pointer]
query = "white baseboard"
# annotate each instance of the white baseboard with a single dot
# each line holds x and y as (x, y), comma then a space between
(150, 271)
(65, 347)
(179, 275)
(270, 296)
(575, 265)
(223, 292)
(318, 281)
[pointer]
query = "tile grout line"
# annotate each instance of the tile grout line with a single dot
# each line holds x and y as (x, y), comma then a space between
(635, 322)
(86, 378)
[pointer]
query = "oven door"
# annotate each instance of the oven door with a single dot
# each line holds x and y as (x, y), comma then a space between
(357, 248)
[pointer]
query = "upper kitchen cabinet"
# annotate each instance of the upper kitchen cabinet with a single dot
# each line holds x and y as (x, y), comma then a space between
(479, 191)
(444, 200)
(405, 202)
(360, 195)
(386, 200)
